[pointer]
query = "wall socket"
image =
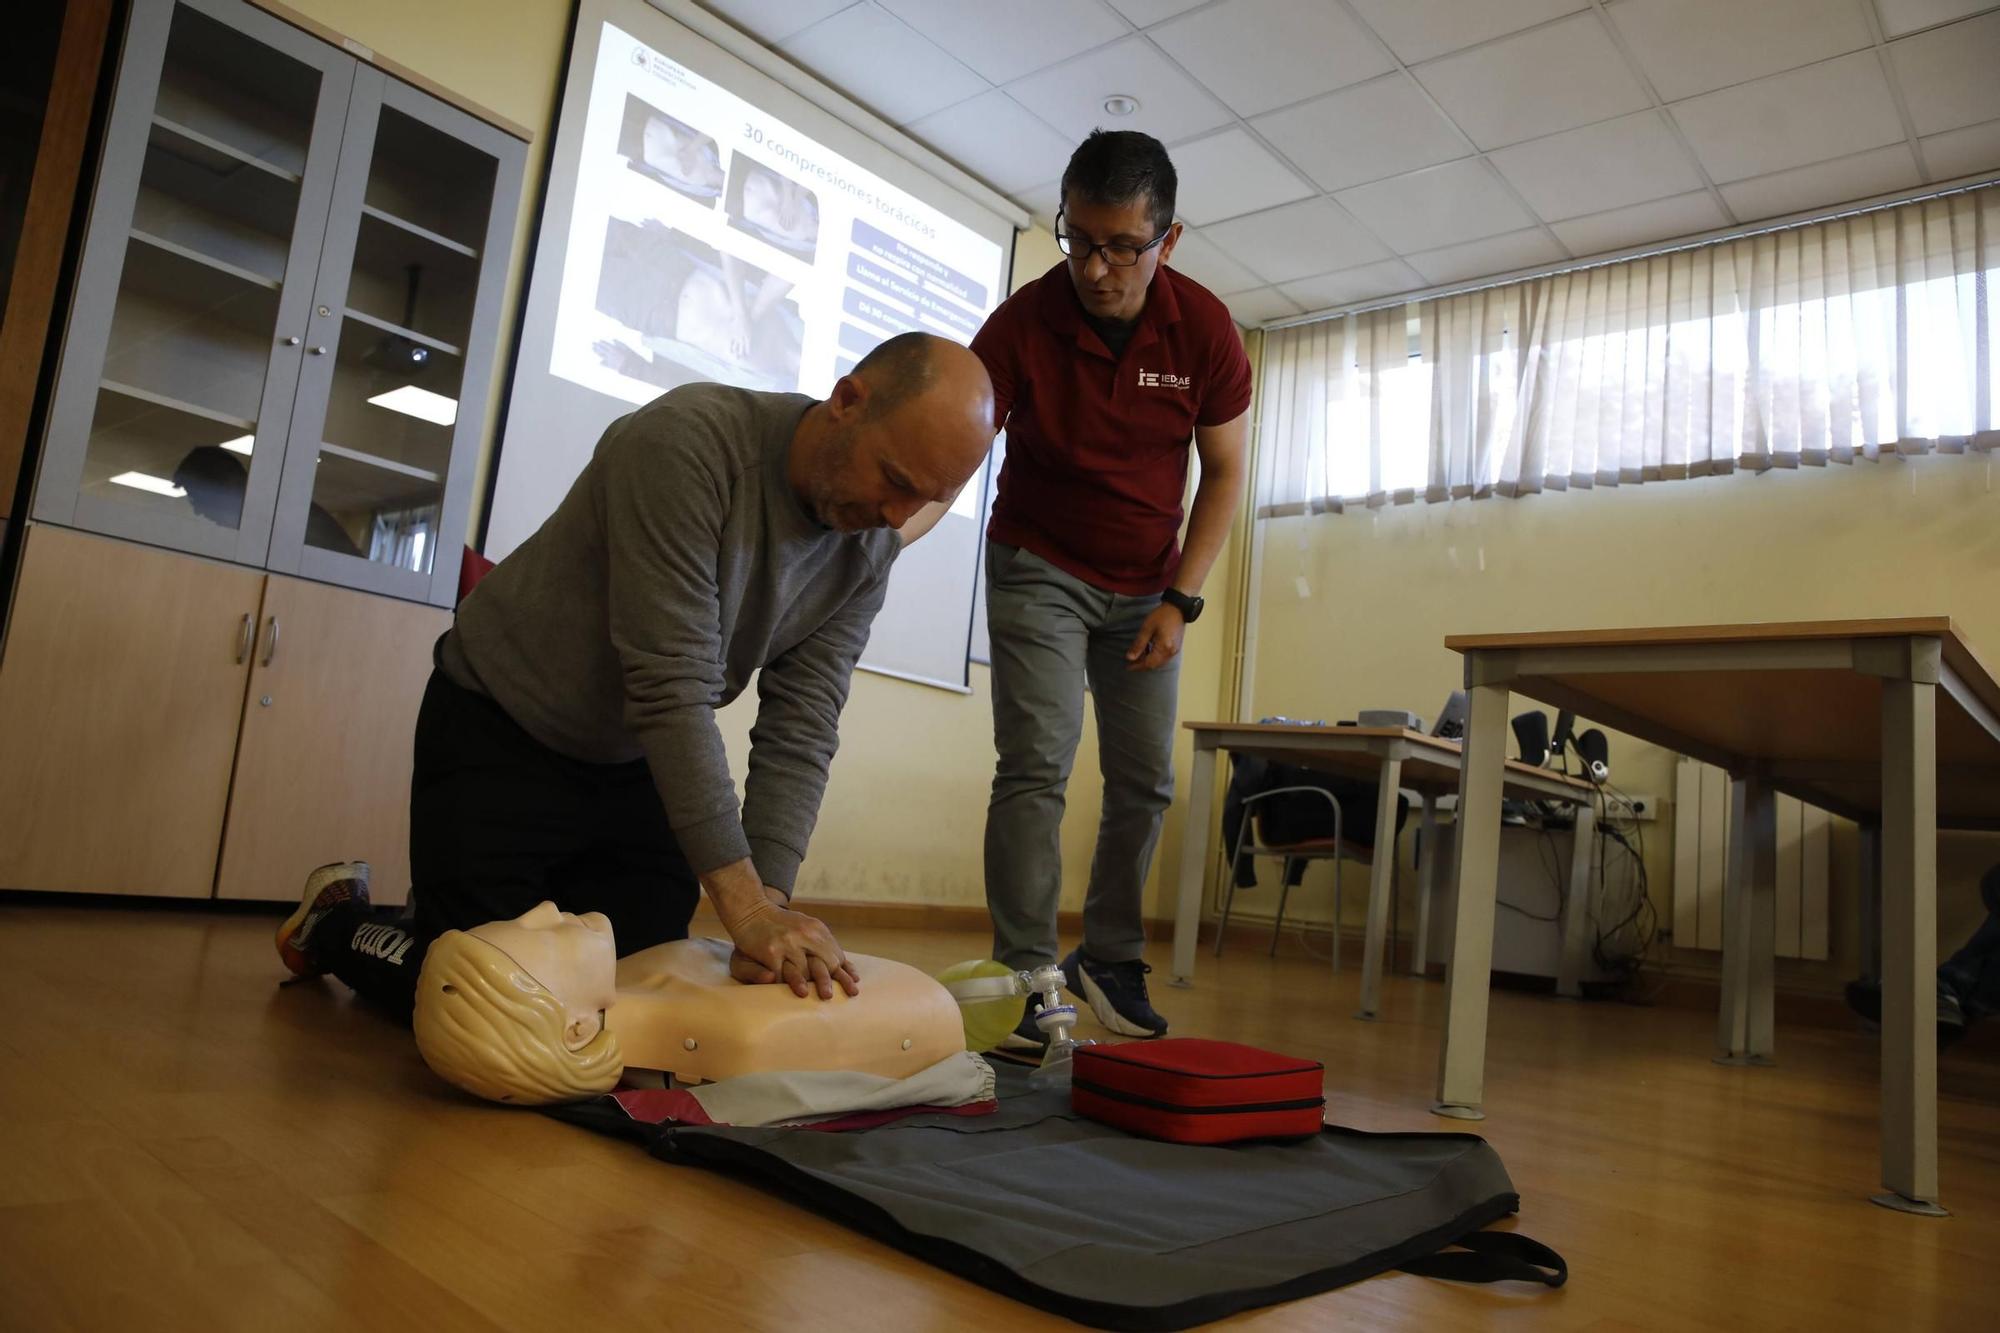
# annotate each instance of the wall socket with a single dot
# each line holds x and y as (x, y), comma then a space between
(1644, 807)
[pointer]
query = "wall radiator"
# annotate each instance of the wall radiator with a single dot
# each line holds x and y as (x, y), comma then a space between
(1701, 833)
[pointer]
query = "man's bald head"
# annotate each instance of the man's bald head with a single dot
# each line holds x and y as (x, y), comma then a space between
(910, 424)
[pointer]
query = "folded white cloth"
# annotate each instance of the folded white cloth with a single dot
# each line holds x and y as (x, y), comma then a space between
(786, 1098)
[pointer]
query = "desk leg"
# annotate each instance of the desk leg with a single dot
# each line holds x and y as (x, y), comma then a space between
(1194, 863)
(1744, 1030)
(1420, 957)
(1469, 972)
(1909, 947)
(1382, 868)
(1576, 907)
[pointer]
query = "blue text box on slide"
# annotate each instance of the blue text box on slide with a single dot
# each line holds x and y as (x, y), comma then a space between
(874, 241)
(898, 284)
(862, 306)
(859, 341)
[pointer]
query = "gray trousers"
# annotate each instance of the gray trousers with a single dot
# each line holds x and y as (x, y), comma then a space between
(1052, 633)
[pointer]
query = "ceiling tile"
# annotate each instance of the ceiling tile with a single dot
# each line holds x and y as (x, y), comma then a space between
(1488, 257)
(1296, 241)
(1656, 220)
(775, 20)
(1041, 201)
(1380, 128)
(1599, 167)
(1003, 42)
(1229, 174)
(1950, 76)
(1260, 54)
(1420, 29)
(872, 56)
(1511, 90)
(1210, 265)
(1328, 290)
(1965, 152)
(1459, 201)
(1254, 307)
(1831, 109)
(1147, 12)
(996, 139)
(1905, 16)
(1695, 46)
(1070, 96)
(1840, 181)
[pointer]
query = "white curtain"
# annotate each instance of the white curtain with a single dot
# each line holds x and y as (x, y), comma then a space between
(1816, 344)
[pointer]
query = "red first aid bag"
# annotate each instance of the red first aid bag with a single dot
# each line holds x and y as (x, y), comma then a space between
(1194, 1090)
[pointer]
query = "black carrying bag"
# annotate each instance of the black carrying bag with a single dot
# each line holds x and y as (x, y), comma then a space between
(1085, 1221)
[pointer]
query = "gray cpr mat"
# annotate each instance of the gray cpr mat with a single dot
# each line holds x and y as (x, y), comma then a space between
(1087, 1221)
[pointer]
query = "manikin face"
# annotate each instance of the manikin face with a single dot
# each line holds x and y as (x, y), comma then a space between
(574, 958)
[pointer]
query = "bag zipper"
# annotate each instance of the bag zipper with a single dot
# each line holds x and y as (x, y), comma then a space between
(1133, 1098)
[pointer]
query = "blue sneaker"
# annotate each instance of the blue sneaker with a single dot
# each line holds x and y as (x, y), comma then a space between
(1115, 992)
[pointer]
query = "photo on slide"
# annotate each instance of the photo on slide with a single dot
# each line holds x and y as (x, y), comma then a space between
(689, 313)
(772, 208)
(671, 152)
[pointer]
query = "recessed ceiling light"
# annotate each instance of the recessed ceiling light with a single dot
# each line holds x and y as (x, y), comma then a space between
(141, 481)
(421, 403)
(242, 444)
(1118, 104)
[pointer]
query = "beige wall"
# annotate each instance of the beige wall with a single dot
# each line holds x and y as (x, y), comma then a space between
(1896, 538)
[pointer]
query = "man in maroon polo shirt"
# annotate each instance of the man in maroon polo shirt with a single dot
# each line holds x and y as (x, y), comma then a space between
(1104, 368)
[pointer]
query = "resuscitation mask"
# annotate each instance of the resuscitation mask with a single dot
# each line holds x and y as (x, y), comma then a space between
(989, 997)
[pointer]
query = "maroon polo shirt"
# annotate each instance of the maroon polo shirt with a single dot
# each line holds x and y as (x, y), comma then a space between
(1097, 446)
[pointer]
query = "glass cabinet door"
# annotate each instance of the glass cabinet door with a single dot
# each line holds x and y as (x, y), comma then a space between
(187, 331)
(389, 413)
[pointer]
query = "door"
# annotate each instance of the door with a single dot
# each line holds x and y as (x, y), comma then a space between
(323, 766)
(388, 421)
(120, 694)
(189, 321)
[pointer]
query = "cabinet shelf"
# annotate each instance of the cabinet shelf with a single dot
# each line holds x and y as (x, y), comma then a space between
(133, 391)
(425, 233)
(422, 339)
(207, 261)
(213, 147)
(376, 461)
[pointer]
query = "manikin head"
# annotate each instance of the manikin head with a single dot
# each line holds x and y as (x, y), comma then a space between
(910, 425)
(1117, 196)
(513, 1011)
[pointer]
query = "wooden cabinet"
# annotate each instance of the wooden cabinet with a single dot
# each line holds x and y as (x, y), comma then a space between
(286, 316)
(323, 761)
(141, 755)
(119, 700)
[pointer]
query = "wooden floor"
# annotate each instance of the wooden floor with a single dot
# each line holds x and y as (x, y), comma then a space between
(184, 1145)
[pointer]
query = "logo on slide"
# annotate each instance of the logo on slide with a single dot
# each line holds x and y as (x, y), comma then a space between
(1161, 379)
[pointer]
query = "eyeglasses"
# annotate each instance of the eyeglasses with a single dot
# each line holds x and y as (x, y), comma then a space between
(1116, 254)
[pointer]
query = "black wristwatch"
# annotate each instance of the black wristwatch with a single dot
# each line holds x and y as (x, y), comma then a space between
(1189, 607)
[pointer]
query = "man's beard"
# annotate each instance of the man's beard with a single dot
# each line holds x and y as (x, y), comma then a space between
(823, 485)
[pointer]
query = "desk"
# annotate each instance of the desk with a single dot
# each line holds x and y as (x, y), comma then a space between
(1396, 759)
(1861, 717)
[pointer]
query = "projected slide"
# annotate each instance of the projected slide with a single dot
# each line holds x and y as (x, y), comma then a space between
(711, 241)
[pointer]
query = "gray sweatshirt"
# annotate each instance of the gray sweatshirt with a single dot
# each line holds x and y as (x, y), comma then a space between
(679, 564)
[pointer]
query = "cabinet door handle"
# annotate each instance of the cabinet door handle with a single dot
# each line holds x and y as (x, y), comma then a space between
(294, 340)
(245, 638)
(319, 351)
(271, 644)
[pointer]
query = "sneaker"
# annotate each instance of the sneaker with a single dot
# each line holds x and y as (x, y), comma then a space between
(1864, 997)
(328, 887)
(1115, 992)
(1027, 1038)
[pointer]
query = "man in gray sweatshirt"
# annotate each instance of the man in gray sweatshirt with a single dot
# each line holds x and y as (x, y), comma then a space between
(567, 747)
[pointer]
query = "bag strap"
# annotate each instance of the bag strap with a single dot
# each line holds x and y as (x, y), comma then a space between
(1494, 1256)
